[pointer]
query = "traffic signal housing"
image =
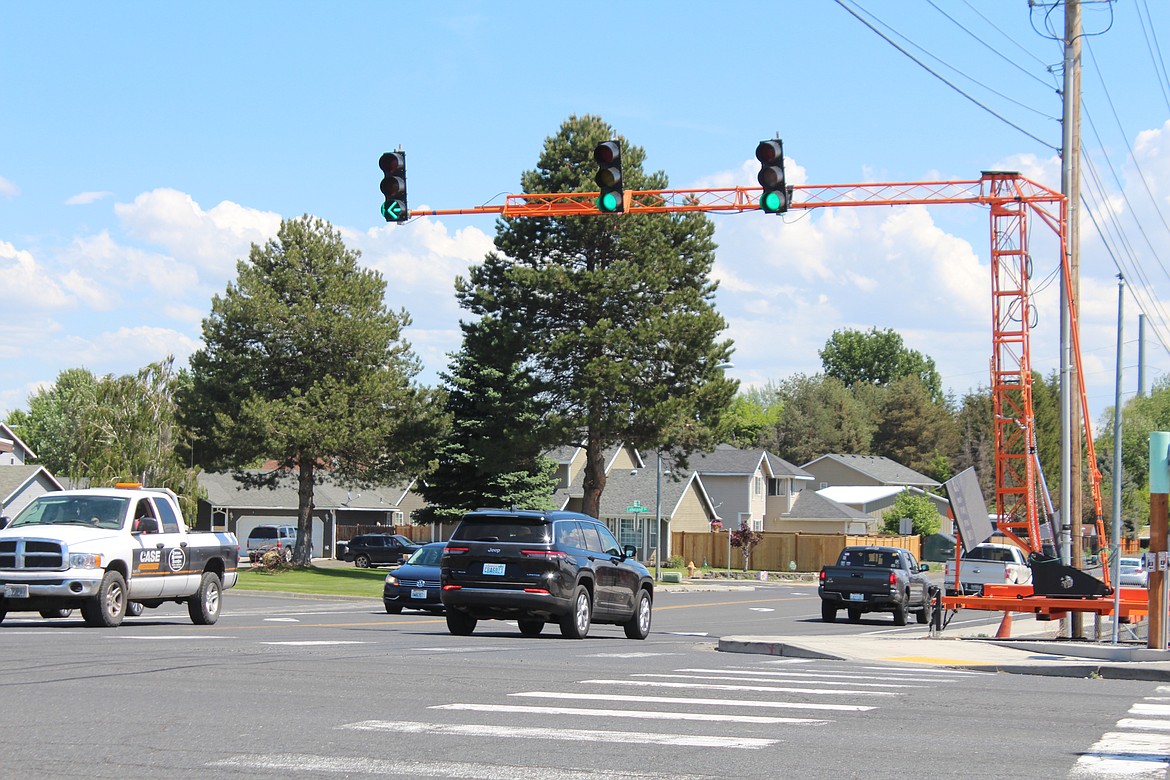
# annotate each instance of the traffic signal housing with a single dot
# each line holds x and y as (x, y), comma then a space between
(608, 155)
(393, 165)
(775, 198)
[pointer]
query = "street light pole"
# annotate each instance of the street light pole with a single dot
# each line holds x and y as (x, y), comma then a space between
(658, 520)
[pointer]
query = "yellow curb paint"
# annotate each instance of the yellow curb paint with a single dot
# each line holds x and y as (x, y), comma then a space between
(922, 659)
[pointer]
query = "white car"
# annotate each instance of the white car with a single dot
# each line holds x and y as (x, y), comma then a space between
(1133, 573)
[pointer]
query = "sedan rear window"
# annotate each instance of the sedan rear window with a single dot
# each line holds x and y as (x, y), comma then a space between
(492, 530)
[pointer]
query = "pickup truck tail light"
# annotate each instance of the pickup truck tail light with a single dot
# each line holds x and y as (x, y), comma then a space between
(822, 575)
(893, 578)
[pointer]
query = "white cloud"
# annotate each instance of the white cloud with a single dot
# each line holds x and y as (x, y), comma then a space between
(213, 240)
(85, 198)
(26, 283)
(7, 188)
(128, 269)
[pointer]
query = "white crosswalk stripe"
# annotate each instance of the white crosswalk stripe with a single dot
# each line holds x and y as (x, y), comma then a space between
(1138, 749)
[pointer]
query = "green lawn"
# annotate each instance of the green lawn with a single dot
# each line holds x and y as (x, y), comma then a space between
(334, 581)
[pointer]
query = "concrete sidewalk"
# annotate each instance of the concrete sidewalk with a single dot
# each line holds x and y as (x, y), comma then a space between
(1035, 652)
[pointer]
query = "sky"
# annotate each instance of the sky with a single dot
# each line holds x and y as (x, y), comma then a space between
(144, 147)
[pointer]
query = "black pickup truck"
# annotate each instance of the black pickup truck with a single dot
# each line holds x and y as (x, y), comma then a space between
(875, 579)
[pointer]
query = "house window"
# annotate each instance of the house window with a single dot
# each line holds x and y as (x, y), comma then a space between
(758, 525)
(758, 485)
(823, 485)
(777, 487)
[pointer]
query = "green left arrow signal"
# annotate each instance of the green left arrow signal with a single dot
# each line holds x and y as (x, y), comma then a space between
(392, 211)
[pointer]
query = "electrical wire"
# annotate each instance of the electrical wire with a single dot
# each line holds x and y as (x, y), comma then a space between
(1128, 145)
(988, 46)
(941, 78)
(1158, 61)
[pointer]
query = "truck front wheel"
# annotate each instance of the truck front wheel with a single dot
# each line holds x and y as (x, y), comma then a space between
(108, 607)
(203, 607)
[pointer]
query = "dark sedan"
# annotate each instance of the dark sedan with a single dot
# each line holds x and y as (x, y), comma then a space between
(378, 550)
(415, 584)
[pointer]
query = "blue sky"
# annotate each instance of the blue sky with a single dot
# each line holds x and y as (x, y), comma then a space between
(145, 146)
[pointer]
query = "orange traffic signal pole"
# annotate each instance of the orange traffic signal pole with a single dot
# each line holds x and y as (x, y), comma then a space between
(1013, 200)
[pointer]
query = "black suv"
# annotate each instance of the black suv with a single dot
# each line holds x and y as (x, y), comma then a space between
(543, 567)
(379, 549)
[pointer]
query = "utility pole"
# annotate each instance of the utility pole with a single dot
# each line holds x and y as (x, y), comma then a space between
(1071, 423)
(1141, 391)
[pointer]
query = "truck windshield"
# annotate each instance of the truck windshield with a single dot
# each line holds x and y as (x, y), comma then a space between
(94, 511)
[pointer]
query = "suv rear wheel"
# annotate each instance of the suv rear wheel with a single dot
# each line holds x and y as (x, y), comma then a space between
(460, 623)
(362, 561)
(575, 625)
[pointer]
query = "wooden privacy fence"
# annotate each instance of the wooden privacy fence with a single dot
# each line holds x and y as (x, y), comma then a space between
(779, 549)
(416, 533)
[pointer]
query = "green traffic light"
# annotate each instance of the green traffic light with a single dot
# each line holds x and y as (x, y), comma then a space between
(608, 202)
(771, 202)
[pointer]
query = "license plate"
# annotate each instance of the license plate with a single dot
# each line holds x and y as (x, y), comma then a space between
(494, 569)
(16, 591)
(418, 594)
(857, 597)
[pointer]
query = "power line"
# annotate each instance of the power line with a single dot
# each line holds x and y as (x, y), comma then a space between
(989, 47)
(1157, 59)
(938, 76)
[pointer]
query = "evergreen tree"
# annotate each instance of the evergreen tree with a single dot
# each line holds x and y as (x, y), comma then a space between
(820, 416)
(491, 455)
(617, 311)
(302, 363)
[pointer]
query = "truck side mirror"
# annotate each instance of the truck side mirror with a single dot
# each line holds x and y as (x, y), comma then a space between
(4, 521)
(924, 567)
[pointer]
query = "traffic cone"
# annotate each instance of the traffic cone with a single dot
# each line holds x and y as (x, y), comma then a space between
(1005, 627)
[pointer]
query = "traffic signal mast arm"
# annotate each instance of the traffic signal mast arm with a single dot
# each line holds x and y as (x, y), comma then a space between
(809, 196)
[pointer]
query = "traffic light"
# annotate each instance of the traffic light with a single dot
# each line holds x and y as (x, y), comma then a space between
(393, 165)
(775, 198)
(608, 155)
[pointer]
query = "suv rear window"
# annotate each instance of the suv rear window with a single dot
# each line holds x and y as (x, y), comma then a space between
(263, 532)
(503, 530)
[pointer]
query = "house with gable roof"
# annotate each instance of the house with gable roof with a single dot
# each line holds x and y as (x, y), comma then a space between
(871, 483)
(20, 480)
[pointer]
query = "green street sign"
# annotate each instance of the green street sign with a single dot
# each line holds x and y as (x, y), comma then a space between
(637, 508)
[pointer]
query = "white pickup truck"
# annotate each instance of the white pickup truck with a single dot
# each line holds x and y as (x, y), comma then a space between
(988, 564)
(102, 549)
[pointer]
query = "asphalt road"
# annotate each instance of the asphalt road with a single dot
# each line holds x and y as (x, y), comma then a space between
(288, 687)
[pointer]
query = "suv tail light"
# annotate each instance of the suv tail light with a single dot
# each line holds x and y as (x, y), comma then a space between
(457, 550)
(544, 554)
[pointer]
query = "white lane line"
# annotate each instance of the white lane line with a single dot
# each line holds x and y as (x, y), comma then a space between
(316, 643)
(627, 655)
(691, 701)
(1140, 708)
(760, 609)
(358, 767)
(168, 637)
(760, 688)
(834, 675)
(772, 679)
(640, 714)
(569, 735)
(688, 633)
(282, 620)
(487, 649)
(1125, 754)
